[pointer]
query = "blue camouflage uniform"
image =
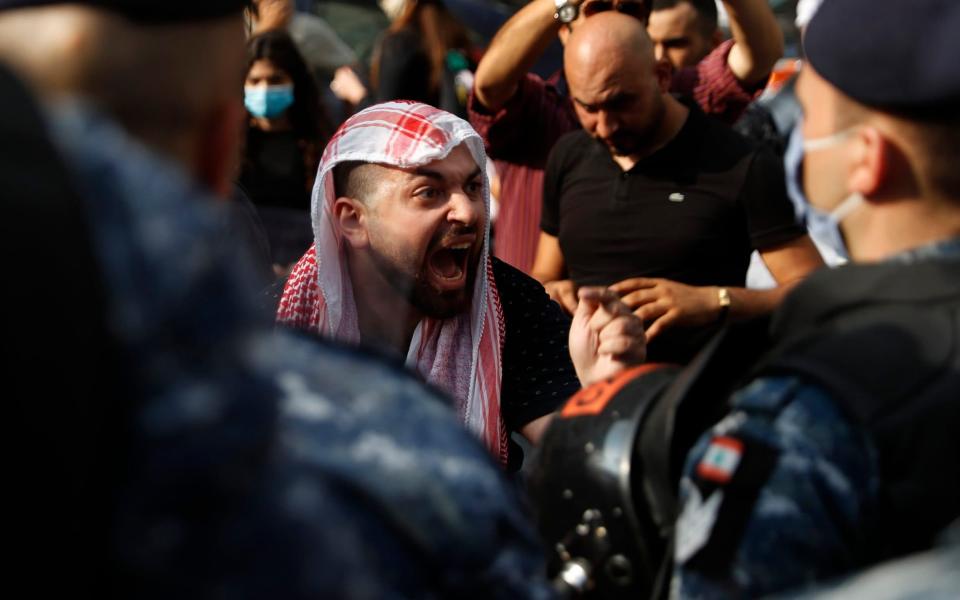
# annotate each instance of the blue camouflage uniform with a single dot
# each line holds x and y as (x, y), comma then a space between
(264, 463)
(774, 496)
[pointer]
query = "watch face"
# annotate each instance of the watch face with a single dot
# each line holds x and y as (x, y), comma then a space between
(567, 13)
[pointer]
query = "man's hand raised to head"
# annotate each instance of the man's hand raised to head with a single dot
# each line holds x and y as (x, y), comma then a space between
(661, 303)
(605, 337)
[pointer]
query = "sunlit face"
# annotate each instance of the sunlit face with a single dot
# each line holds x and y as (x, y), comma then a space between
(426, 231)
(264, 72)
(617, 103)
(824, 179)
(677, 35)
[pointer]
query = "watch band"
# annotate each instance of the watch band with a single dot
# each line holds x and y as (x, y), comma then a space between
(567, 11)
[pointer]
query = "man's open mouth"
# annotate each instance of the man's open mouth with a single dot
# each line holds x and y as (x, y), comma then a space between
(448, 265)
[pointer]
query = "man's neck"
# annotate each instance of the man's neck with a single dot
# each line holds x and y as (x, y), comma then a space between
(386, 319)
(879, 233)
(674, 116)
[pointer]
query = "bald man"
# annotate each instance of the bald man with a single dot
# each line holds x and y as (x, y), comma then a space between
(659, 201)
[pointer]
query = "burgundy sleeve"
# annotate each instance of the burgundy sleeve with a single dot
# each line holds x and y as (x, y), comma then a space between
(524, 130)
(714, 87)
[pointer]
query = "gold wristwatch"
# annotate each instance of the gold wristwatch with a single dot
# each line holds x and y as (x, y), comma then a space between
(723, 296)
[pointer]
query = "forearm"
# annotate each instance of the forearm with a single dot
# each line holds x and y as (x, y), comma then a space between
(548, 265)
(758, 41)
(273, 14)
(513, 52)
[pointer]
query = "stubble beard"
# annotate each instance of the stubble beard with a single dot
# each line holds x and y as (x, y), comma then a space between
(412, 284)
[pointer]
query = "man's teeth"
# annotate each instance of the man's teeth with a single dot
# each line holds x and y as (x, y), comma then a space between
(460, 247)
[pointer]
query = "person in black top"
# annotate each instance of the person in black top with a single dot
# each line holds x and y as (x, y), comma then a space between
(419, 57)
(658, 201)
(286, 132)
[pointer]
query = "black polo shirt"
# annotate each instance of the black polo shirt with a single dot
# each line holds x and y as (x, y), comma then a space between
(691, 212)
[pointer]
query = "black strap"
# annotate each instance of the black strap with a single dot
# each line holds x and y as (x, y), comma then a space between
(695, 400)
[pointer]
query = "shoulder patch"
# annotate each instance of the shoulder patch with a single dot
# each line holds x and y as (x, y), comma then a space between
(735, 469)
(721, 459)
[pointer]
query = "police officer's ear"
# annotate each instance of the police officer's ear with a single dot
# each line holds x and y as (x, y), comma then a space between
(350, 215)
(878, 165)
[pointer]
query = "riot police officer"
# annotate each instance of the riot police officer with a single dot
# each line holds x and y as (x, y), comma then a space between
(842, 450)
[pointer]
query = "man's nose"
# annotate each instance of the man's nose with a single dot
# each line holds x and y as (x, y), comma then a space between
(464, 209)
(607, 124)
(658, 52)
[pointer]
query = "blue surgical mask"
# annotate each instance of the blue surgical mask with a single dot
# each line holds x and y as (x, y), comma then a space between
(823, 225)
(268, 101)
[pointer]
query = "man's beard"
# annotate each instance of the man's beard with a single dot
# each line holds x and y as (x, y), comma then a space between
(412, 283)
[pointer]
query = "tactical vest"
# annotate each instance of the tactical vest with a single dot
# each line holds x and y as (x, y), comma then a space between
(883, 340)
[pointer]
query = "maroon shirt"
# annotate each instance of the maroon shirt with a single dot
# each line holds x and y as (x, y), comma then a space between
(520, 135)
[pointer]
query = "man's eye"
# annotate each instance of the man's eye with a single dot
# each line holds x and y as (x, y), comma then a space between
(428, 193)
(474, 187)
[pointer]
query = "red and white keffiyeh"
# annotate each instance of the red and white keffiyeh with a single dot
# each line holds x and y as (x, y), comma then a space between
(460, 355)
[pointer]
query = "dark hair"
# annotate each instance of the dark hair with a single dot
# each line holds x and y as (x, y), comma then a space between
(307, 117)
(936, 135)
(351, 178)
(706, 12)
(439, 31)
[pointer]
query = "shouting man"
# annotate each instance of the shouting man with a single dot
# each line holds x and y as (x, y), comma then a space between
(401, 261)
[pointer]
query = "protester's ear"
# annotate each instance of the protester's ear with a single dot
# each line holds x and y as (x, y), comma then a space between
(217, 157)
(350, 215)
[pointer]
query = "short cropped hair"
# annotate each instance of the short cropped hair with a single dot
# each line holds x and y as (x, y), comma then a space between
(706, 12)
(355, 179)
(935, 135)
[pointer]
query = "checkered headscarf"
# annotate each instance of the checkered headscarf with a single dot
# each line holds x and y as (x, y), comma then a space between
(460, 355)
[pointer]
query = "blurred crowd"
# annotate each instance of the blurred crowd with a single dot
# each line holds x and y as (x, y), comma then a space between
(483, 298)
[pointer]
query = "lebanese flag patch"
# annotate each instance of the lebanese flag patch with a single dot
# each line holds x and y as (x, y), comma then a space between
(721, 459)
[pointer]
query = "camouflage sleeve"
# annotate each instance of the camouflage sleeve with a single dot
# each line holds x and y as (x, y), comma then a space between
(771, 497)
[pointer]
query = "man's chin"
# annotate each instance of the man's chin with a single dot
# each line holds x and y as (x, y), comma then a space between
(442, 306)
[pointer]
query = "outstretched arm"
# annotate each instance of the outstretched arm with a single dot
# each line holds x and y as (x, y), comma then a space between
(513, 52)
(605, 338)
(758, 41)
(662, 303)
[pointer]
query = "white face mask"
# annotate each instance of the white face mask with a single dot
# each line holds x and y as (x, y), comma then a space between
(851, 202)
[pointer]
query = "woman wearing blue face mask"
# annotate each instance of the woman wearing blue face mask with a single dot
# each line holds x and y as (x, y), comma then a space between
(286, 133)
